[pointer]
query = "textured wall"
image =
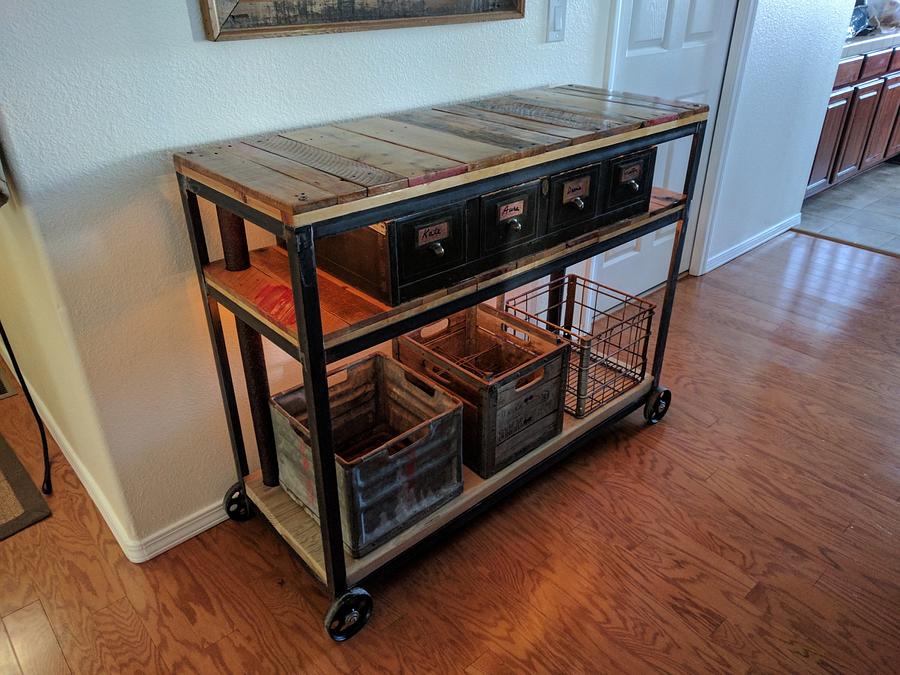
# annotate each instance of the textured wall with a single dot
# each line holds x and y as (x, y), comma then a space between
(781, 99)
(97, 97)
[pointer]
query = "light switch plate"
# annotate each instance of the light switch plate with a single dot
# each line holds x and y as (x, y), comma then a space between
(556, 20)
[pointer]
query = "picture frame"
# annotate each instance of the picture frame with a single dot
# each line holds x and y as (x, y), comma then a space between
(243, 19)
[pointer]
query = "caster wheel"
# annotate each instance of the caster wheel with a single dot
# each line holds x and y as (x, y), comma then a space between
(348, 614)
(237, 505)
(657, 405)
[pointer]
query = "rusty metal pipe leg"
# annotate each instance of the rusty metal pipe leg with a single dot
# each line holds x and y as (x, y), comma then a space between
(237, 257)
(254, 362)
(234, 240)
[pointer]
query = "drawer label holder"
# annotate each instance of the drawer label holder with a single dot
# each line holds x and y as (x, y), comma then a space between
(428, 234)
(579, 187)
(510, 210)
(631, 172)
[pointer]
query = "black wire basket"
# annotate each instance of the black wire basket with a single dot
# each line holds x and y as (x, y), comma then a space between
(609, 332)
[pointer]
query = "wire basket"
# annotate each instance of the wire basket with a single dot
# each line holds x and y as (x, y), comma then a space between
(609, 332)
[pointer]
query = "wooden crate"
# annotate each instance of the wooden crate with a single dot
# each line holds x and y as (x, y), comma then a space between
(509, 375)
(398, 449)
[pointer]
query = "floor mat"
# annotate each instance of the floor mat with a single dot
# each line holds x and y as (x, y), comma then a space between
(21, 503)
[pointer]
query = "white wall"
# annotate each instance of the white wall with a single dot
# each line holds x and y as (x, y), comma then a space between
(42, 339)
(778, 90)
(97, 97)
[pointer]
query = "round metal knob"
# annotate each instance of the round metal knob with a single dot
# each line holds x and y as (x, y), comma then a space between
(515, 225)
(634, 185)
(438, 249)
(578, 203)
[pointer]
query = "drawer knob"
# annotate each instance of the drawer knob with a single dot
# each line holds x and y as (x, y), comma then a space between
(634, 185)
(438, 249)
(515, 225)
(578, 203)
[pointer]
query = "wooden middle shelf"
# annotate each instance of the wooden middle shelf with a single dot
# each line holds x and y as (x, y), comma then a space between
(301, 530)
(264, 289)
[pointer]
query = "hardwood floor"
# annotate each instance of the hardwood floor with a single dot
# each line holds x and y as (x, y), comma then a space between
(755, 529)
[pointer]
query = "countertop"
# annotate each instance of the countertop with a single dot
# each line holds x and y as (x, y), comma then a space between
(870, 43)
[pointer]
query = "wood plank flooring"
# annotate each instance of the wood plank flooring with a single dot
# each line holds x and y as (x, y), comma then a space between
(754, 530)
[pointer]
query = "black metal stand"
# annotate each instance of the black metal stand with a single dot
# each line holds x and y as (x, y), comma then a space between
(351, 607)
(47, 485)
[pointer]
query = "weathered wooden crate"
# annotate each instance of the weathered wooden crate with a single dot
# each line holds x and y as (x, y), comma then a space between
(398, 449)
(509, 374)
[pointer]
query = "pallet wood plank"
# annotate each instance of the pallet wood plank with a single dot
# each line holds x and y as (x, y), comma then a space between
(639, 105)
(418, 167)
(269, 297)
(650, 116)
(543, 112)
(247, 178)
(343, 190)
(340, 298)
(468, 112)
(523, 141)
(473, 153)
(632, 98)
(586, 106)
(377, 181)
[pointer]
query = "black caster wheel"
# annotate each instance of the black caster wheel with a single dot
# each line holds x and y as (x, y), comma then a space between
(657, 405)
(237, 505)
(348, 614)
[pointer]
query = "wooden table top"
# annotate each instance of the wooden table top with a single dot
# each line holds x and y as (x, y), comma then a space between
(310, 174)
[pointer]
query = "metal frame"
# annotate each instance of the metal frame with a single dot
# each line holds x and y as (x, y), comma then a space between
(314, 356)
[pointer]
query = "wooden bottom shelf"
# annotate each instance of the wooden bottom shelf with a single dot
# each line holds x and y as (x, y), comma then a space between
(301, 531)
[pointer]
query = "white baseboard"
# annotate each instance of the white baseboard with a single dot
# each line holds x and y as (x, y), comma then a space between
(172, 535)
(136, 550)
(748, 244)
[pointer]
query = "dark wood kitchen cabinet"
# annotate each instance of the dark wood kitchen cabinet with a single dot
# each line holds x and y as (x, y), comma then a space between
(876, 63)
(835, 117)
(894, 144)
(859, 122)
(861, 128)
(884, 123)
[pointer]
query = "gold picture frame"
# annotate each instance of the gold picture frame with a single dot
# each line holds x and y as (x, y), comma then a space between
(242, 19)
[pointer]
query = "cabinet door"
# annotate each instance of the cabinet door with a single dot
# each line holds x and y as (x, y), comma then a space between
(859, 122)
(883, 125)
(848, 71)
(835, 117)
(876, 63)
(894, 143)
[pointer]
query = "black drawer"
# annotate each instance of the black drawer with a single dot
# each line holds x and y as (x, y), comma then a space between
(510, 217)
(630, 182)
(574, 196)
(431, 243)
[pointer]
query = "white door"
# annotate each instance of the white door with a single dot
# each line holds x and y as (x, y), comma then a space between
(671, 49)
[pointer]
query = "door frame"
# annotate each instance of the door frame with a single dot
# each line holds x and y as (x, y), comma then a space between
(722, 130)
